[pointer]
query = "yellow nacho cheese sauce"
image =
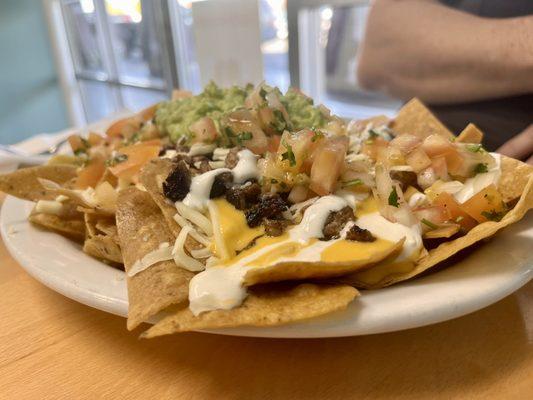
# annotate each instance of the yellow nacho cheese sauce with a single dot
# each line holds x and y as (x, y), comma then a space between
(221, 286)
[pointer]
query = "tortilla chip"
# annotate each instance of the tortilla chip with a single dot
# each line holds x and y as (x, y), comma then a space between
(108, 227)
(151, 175)
(24, 183)
(141, 229)
(285, 271)
(514, 178)
(104, 248)
(471, 134)
(265, 306)
(521, 176)
(416, 119)
(76, 197)
(70, 228)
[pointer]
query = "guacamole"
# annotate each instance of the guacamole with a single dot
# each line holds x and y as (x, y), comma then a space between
(302, 113)
(173, 118)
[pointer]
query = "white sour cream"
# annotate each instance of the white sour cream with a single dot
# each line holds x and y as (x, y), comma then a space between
(315, 217)
(201, 185)
(417, 199)
(384, 229)
(479, 182)
(246, 168)
(217, 288)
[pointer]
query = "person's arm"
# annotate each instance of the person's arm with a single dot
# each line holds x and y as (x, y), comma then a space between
(520, 146)
(422, 48)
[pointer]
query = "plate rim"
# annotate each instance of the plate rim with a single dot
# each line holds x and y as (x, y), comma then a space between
(327, 326)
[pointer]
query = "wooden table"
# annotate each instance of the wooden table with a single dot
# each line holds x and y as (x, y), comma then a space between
(54, 348)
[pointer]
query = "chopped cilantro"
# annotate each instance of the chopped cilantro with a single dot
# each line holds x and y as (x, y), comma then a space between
(80, 151)
(116, 160)
(373, 133)
(263, 93)
(493, 215)
(475, 148)
(429, 223)
(480, 168)
(279, 124)
(134, 138)
(243, 136)
(353, 182)
(317, 135)
(393, 198)
(289, 154)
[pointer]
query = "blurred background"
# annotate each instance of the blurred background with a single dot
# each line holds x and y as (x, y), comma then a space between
(73, 62)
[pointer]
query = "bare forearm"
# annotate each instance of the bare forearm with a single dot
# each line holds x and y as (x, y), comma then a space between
(421, 48)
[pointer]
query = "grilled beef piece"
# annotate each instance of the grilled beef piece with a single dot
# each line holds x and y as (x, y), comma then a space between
(275, 227)
(243, 196)
(178, 182)
(221, 184)
(358, 234)
(232, 158)
(405, 178)
(336, 221)
(270, 205)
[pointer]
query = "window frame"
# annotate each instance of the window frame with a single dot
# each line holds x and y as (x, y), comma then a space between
(70, 78)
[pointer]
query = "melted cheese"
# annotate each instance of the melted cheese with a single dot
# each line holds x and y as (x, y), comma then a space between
(347, 250)
(231, 232)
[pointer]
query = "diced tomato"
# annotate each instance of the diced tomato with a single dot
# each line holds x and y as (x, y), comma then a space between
(242, 124)
(436, 145)
(327, 165)
(439, 166)
(418, 160)
(179, 94)
(273, 143)
(95, 139)
(148, 113)
(91, 173)
(434, 214)
(125, 127)
(457, 215)
(204, 130)
(371, 147)
(390, 156)
(406, 142)
(456, 163)
(138, 156)
(76, 143)
(296, 143)
(485, 205)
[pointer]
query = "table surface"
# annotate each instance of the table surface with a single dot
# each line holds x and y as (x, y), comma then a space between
(52, 347)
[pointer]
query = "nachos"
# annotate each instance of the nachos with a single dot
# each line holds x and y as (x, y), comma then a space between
(247, 206)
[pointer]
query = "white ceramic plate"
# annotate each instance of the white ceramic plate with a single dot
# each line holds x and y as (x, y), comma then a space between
(490, 273)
